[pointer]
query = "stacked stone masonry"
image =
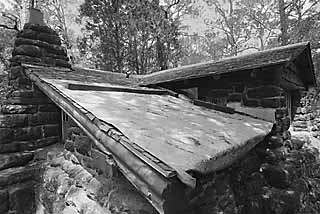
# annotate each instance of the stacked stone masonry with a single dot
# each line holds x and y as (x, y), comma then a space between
(39, 45)
(29, 121)
(102, 168)
(249, 88)
(308, 113)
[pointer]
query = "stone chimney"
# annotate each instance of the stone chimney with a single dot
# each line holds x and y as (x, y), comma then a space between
(29, 120)
(38, 44)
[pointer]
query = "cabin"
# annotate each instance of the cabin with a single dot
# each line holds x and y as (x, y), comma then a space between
(162, 131)
(253, 83)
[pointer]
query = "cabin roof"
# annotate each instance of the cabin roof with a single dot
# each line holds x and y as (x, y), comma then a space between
(176, 132)
(299, 54)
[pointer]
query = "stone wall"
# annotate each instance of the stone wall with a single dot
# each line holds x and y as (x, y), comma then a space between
(307, 117)
(29, 121)
(91, 171)
(254, 93)
(77, 142)
(280, 175)
(39, 45)
(264, 182)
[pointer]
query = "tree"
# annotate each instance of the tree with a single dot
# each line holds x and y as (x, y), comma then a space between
(10, 24)
(283, 23)
(56, 17)
(139, 36)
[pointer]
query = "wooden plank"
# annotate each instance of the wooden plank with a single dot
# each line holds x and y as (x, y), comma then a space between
(83, 87)
(214, 106)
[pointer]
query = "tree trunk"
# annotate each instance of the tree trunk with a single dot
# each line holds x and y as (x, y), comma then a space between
(162, 59)
(283, 23)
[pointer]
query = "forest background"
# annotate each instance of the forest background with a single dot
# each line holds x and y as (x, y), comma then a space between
(143, 36)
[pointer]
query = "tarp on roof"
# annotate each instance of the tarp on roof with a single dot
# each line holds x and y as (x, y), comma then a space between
(184, 136)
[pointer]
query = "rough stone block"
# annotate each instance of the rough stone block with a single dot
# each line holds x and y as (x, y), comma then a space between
(6, 135)
(28, 133)
(22, 198)
(14, 160)
(39, 28)
(43, 118)
(300, 124)
(28, 101)
(15, 120)
(286, 123)
(301, 117)
(56, 56)
(22, 146)
(275, 142)
(26, 94)
(83, 145)
(4, 201)
(25, 59)
(40, 143)
(69, 145)
(73, 131)
(20, 83)
(28, 34)
(28, 50)
(276, 176)
(18, 175)
(15, 72)
(52, 39)
(9, 148)
(51, 130)
(264, 92)
(58, 50)
(103, 163)
(19, 109)
(48, 61)
(281, 112)
(54, 49)
(48, 108)
(25, 41)
(22, 93)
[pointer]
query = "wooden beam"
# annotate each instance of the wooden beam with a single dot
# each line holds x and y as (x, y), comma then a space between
(214, 106)
(84, 87)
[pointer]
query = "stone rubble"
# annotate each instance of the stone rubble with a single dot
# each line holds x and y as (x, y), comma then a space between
(68, 187)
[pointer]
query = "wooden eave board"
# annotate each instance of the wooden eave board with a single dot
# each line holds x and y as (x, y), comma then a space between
(86, 76)
(275, 56)
(185, 136)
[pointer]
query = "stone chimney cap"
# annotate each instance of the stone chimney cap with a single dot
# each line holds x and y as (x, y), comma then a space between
(35, 16)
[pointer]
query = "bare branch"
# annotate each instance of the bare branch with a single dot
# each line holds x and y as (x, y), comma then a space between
(15, 27)
(173, 4)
